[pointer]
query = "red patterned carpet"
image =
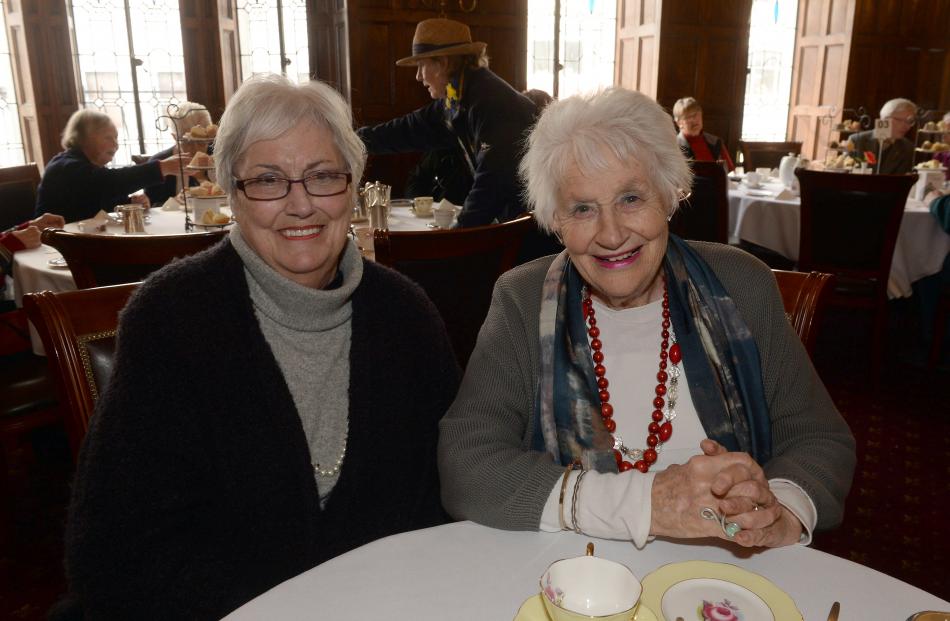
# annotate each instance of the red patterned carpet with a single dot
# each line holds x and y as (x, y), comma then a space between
(896, 520)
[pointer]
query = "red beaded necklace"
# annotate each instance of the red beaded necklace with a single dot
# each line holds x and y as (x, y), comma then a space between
(661, 426)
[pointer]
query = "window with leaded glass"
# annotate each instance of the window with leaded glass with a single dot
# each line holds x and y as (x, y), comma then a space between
(273, 38)
(11, 138)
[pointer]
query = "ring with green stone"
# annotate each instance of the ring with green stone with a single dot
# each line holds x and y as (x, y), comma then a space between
(731, 529)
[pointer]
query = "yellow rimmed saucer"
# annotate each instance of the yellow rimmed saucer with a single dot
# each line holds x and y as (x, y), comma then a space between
(533, 610)
(705, 574)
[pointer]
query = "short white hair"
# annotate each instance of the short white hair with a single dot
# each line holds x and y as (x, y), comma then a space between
(577, 130)
(267, 106)
(892, 106)
(187, 114)
(82, 123)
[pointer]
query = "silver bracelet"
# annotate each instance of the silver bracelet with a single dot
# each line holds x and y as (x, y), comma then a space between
(577, 489)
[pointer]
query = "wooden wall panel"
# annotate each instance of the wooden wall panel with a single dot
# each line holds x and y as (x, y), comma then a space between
(819, 73)
(704, 49)
(636, 63)
(44, 73)
(900, 49)
(210, 46)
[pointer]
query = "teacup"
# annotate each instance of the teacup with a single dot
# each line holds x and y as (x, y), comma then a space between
(422, 206)
(753, 179)
(764, 173)
(587, 587)
(445, 216)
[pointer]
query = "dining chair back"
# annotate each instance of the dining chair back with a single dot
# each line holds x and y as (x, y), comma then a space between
(18, 194)
(704, 215)
(99, 260)
(766, 154)
(848, 227)
(457, 269)
(78, 329)
(802, 294)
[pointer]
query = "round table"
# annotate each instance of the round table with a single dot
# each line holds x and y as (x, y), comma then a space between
(468, 572)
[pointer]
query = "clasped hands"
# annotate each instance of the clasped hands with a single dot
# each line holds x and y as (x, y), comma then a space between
(732, 484)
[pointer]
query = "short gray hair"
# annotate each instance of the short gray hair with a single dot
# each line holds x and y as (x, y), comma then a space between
(267, 106)
(188, 114)
(894, 105)
(574, 131)
(81, 124)
(684, 106)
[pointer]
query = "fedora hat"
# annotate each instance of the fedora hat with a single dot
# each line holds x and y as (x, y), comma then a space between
(441, 37)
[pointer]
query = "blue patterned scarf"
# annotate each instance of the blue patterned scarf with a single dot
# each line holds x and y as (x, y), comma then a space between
(719, 354)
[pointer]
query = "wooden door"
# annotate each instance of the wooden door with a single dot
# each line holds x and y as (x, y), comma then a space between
(637, 52)
(819, 74)
(210, 46)
(704, 53)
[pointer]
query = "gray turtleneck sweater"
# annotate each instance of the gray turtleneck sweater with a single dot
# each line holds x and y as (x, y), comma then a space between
(308, 331)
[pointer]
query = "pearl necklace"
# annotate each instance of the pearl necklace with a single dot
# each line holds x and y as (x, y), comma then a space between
(661, 426)
(335, 470)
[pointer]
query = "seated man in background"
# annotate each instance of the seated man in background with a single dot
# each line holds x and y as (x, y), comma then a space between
(190, 115)
(693, 141)
(896, 155)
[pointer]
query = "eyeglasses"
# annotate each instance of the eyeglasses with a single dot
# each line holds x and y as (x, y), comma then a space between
(272, 187)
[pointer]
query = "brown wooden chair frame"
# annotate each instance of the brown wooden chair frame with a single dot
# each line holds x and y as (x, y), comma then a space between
(802, 295)
(852, 198)
(100, 260)
(766, 154)
(704, 215)
(414, 253)
(11, 177)
(70, 323)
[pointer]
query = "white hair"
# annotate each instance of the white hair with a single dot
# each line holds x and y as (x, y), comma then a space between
(82, 123)
(267, 106)
(892, 106)
(188, 114)
(578, 130)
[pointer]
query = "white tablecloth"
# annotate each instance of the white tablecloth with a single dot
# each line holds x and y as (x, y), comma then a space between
(773, 223)
(467, 572)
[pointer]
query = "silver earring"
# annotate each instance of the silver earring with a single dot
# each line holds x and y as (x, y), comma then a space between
(557, 236)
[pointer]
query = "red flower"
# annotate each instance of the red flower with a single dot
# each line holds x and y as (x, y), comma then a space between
(869, 157)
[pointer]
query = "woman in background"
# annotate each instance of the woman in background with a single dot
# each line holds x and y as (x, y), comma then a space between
(189, 115)
(695, 143)
(76, 183)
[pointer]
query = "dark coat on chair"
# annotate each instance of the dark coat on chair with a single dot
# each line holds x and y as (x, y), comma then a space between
(491, 124)
(75, 188)
(194, 491)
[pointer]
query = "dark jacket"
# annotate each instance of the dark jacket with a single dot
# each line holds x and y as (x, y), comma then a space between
(897, 157)
(194, 491)
(75, 188)
(442, 173)
(161, 192)
(713, 142)
(491, 125)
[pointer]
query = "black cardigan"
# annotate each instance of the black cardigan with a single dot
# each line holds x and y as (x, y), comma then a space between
(194, 491)
(75, 188)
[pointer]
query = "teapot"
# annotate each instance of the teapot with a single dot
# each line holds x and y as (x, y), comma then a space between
(786, 170)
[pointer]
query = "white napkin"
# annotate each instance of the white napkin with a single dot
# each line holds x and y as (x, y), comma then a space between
(786, 194)
(171, 204)
(95, 224)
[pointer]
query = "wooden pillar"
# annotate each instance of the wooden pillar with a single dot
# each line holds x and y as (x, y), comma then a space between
(209, 39)
(44, 73)
(637, 53)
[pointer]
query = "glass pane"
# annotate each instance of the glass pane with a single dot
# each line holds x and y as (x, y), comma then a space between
(105, 66)
(588, 37)
(769, 83)
(259, 30)
(11, 140)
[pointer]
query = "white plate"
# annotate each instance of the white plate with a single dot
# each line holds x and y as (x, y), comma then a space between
(708, 598)
(400, 203)
(213, 226)
(190, 167)
(762, 193)
(58, 263)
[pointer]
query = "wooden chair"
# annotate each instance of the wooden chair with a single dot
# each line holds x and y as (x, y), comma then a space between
(18, 194)
(766, 154)
(802, 296)
(704, 215)
(848, 227)
(457, 269)
(99, 260)
(78, 329)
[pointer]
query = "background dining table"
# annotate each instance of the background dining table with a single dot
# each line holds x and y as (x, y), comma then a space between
(767, 217)
(468, 572)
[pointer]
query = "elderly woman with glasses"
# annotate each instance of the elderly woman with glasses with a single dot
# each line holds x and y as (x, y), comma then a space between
(278, 431)
(894, 155)
(637, 385)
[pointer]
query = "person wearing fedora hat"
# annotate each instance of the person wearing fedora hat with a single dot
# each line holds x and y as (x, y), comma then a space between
(473, 111)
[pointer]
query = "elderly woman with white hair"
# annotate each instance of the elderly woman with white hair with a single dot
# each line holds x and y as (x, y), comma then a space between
(184, 117)
(894, 155)
(278, 431)
(76, 183)
(637, 385)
